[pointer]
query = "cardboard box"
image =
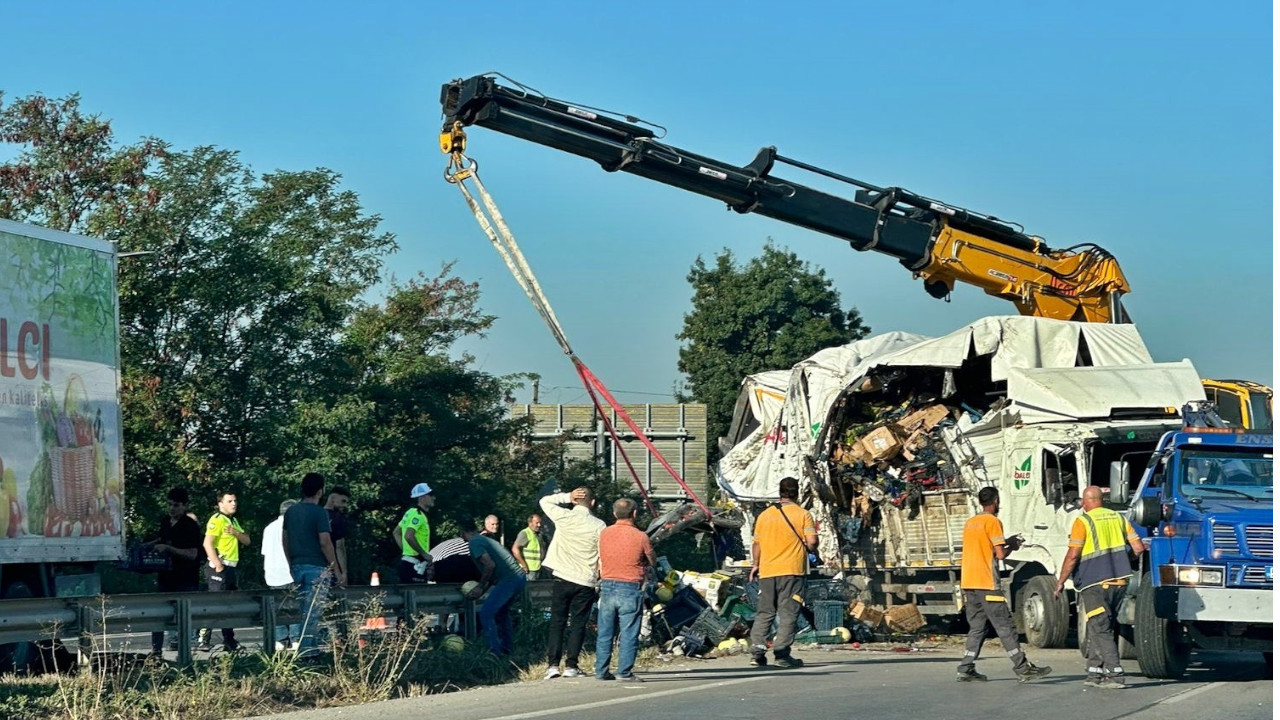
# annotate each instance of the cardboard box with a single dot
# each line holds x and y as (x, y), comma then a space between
(863, 612)
(924, 419)
(881, 443)
(904, 618)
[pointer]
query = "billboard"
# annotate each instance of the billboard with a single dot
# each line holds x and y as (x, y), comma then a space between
(60, 443)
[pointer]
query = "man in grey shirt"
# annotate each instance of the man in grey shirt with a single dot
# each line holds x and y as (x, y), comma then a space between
(309, 548)
(501, 572)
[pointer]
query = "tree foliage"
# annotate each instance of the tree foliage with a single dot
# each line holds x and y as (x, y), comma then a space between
(767, 314)
(249, 350)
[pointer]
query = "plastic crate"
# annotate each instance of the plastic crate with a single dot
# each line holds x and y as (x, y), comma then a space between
(828, 615)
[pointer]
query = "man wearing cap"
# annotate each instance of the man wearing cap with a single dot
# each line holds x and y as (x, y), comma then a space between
(413, 535)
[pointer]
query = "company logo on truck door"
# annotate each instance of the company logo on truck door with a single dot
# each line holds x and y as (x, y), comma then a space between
(1022, 474)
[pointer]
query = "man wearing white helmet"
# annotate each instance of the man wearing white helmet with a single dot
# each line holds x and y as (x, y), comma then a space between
(413, 536)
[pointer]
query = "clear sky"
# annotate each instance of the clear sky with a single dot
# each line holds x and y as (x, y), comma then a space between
(1144, 127)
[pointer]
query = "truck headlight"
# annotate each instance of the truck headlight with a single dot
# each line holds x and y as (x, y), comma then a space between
(1193, 575)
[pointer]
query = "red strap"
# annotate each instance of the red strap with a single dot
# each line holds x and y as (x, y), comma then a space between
(617, 442)
(591, 380)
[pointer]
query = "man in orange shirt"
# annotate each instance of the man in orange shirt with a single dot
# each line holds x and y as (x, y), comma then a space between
(784, 535)
(984, 603)
(625, 556)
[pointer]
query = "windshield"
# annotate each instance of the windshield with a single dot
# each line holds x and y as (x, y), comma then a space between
(1226, 474)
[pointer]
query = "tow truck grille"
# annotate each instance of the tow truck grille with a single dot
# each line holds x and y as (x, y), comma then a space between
(1254, 575)
(1225, 540)
(1257, 538)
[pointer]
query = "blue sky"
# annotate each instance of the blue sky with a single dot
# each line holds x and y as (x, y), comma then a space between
(1144, 127)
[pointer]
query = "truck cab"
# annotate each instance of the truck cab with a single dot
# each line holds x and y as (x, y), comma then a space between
(1205, 506)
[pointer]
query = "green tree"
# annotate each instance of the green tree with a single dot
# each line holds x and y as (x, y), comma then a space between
(249, 354)
(767, 314)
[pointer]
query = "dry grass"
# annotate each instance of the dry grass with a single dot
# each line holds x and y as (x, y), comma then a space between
(363, 666)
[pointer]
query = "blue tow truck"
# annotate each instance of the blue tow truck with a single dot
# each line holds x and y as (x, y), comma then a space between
(1205, 504)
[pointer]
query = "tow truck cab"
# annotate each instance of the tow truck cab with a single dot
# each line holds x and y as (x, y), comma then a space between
(1205, 507)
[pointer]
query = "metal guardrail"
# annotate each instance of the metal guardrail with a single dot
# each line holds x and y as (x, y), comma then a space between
(85, 618)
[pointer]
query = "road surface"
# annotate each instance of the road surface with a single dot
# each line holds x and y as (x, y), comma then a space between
(841, 683)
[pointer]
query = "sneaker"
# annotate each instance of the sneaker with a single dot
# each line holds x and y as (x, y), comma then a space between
(553, 672)
(205, 646)
(970, 676)
(233, 646)
(786, 661)
(1033, 672)
(606, 676)
(572, 672)
(759, 660)
(629, 677)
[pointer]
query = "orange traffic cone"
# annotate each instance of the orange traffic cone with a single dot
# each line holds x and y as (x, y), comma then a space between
(375, 623)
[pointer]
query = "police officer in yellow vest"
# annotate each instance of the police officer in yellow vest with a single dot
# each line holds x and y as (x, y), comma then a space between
(527, 549)
(413, 536)
(1100, 543)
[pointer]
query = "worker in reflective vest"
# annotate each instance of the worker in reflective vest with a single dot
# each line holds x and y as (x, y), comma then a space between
(1098, 553)
(527, 549)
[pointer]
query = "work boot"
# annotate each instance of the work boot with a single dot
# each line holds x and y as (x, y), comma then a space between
(970, 675)
(1105, 682)
(1033, 672)
(759, 660)
(786, 661)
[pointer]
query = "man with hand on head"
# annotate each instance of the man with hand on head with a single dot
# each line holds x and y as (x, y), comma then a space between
(574, 560)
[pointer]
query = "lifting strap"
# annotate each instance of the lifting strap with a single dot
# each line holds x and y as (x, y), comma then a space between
(462, 168)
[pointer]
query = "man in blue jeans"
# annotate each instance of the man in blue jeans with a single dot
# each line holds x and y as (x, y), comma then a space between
(309, 547)
(625, 556)
(503, 578)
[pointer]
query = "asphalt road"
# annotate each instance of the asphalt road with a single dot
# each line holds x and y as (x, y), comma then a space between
(842, 683)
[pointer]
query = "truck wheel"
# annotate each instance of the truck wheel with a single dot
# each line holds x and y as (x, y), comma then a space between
(1045, 618)
(1266, 657)
(1162, 653)
(1124, 639)
(1082, 633)
(19, 657)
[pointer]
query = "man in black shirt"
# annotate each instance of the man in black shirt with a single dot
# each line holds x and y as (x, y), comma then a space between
(180, 537)
(339, 526)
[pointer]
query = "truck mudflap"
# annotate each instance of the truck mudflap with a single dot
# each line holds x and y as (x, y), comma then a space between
(1201, 604)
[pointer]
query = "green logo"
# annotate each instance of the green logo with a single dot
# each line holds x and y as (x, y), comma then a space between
(1022, 474)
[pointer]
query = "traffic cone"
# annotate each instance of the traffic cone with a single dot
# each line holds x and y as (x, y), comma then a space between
(374, 623)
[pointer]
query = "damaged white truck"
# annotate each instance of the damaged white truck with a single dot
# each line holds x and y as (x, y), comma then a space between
(892, 436)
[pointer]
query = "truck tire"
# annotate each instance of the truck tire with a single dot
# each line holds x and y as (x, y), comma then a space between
(19, 657)
(1045, 619)
(1162, 653)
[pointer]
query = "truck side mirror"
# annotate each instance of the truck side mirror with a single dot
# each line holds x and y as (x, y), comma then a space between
(1147, 512)
(1120, 482)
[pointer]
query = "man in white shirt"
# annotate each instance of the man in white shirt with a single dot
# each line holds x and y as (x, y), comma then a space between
(275, 568)
(574, 559)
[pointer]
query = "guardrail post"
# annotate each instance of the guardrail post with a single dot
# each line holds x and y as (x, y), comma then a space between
(84, 648)
(410, 605)
(183, 606)
(268, 624)
(469, 618)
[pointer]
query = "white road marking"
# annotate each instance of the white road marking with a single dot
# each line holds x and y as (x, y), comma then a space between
(633, 698)
(1189, 693)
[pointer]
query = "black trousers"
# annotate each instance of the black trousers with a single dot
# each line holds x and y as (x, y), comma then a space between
(222, 582)
(988, 607)
(165, 584)
(1100, 606)
(570, 606)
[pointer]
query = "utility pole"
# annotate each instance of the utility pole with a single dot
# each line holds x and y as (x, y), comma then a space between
(535, 390)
